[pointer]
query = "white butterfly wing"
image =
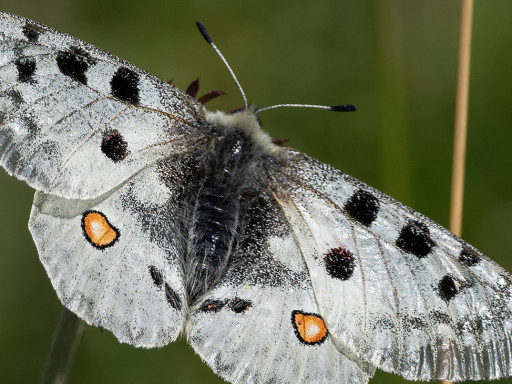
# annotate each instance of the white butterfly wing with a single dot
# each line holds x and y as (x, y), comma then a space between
(115, 260)
(71, 113)
(395, 288)
(260, 324)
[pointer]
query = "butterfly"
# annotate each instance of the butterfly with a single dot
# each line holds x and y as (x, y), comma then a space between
(156, 218)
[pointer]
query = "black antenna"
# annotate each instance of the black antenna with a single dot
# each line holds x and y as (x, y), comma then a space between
(335, 108)
(209, 40)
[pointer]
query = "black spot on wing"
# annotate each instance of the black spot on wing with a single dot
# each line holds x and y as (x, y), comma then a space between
(26, 68)
(15, 96)
(469, 257)
(75, 63)
(447, 288)
(156, 275)
(31, 32)
(339, 263)
(114, 146)
(363, 207)
(172, 297)
(125, 85)
(238, 305)
(415, 239)
(212, 306)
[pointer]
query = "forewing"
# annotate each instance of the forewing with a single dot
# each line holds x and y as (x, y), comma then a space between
(115, 260)
(71, 113)
(260, 324)
(394, 287)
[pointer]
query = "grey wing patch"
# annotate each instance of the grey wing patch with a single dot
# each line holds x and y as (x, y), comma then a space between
(69, 110)
(115, 260)
(271, 327)
(417, 300)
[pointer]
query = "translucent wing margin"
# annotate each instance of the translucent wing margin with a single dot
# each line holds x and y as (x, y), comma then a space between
(71, 113)
(395, 288)
(260, 324)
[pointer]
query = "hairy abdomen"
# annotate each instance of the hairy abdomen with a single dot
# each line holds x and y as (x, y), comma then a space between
(215, 219)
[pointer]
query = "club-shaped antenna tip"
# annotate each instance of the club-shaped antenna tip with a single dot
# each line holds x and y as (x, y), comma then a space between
(204, 32)
(344, 108)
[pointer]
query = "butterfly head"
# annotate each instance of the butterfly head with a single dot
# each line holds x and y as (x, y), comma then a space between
(246, 121)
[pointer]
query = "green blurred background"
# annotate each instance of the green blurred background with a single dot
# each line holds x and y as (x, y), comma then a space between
(396, 60)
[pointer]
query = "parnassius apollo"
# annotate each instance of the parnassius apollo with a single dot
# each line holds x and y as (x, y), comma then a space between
(275, 266)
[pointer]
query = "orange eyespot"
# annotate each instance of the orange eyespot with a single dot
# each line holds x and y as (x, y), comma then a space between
(309, 327)
(97, 230)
